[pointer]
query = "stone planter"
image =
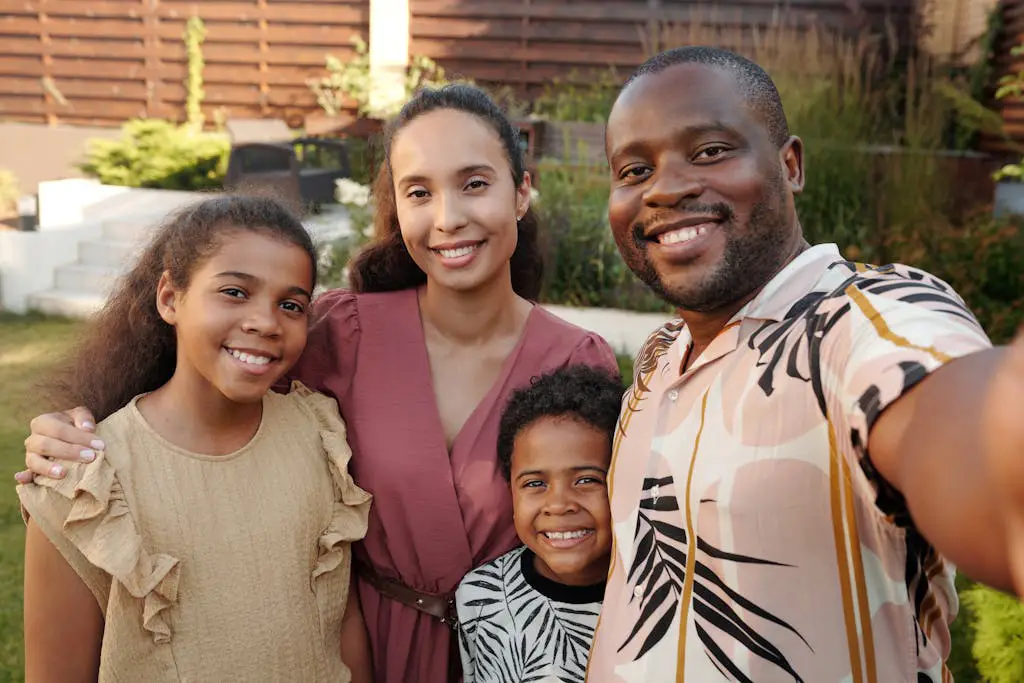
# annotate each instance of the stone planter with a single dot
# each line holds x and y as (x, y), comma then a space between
(1009, 198)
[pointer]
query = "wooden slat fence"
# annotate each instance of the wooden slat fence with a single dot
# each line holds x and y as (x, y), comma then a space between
(99, 62)
(527, 43)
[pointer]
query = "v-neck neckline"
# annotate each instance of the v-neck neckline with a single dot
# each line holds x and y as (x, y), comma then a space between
(478, 412)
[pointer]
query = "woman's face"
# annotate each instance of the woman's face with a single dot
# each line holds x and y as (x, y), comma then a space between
(457, 202)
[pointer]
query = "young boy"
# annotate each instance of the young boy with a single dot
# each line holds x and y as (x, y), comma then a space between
(531, 614)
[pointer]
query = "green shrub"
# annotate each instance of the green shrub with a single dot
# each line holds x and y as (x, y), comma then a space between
(579, 97)
(999, 634)
(159, 154)
(583, 264)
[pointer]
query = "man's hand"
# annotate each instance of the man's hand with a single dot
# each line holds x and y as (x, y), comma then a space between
(1004, 448)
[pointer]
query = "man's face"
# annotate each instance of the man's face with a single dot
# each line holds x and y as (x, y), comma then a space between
(701, 202)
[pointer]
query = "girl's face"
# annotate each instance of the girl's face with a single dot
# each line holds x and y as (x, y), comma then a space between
(242, 322)
(457, 202)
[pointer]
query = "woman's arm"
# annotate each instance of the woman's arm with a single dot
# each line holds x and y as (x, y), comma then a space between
(355, 643)
(63, 622)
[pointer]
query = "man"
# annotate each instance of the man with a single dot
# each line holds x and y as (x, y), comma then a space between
(809, 450)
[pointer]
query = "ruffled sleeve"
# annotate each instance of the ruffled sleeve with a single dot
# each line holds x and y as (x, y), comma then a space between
(86, 516)
(352, 504)
(329, 360)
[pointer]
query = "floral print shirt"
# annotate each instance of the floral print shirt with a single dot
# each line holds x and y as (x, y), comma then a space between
(754, 541)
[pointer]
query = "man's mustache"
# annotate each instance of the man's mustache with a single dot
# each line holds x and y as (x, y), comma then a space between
(720, 211)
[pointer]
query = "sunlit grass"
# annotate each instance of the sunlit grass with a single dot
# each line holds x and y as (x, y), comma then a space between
(29, 346)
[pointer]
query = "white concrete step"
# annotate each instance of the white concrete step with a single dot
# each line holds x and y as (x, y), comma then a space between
(87, 279)
(133, 230)
(109, 254)
(70, 304)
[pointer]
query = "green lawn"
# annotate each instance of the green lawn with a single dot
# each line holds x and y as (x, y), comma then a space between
(28, 348)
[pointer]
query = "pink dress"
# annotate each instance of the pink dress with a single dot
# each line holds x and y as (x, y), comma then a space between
(435, 516)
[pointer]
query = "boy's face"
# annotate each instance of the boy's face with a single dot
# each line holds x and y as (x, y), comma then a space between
(560, 498)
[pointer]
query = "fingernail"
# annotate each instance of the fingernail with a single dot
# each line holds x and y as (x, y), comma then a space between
(98, 445)
(88, 425)
(56, 471)
(87, 455)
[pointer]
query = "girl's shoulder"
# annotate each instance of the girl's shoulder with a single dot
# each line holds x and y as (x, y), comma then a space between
(304, 409)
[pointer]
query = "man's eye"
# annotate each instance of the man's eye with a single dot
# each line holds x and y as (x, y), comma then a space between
(712, 152)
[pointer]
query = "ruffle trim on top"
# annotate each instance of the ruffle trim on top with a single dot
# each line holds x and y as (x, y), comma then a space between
(100, 525)
(352, 504)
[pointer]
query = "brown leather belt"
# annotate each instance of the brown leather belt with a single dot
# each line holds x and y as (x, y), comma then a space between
(441, 607)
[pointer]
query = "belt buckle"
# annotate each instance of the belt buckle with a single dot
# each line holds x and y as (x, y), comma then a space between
(451, 617)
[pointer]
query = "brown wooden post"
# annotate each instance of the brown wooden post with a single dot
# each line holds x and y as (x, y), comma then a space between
(46, 53)
(264, 67)
(524, 43)
(153, 63)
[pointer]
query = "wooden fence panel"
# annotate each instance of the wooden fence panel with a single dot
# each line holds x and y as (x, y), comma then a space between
(101, 62)
(525, 43)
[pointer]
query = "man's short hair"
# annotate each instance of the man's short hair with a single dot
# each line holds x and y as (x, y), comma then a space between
(756, 86)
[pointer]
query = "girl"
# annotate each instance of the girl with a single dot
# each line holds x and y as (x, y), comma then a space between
(441, 327)
(181, 552)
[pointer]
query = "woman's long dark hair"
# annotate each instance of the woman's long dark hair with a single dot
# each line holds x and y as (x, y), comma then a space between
(385, 265)
(127, 348)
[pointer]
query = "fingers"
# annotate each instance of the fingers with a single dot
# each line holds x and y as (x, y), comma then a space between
(56, 436)
(39, 466)
(25, 477)
(82, 418)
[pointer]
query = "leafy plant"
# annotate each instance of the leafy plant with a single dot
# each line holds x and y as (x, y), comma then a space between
(586, 98)
(583, 264)
(998, 645)
(159, 154)
(352, 80)
(1011, 85)
(335, 255)
(195, 34)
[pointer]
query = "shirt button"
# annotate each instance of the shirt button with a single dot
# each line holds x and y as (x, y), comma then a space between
(673, 395)
(638, 591)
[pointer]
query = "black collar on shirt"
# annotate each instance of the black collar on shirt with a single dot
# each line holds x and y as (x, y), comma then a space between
(559, 592)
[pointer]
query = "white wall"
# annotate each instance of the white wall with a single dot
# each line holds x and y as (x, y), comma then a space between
(389, 51)
(70, 203)
(29, 259)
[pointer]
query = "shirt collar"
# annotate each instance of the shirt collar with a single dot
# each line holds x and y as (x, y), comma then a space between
(771, 304)
(792, 282)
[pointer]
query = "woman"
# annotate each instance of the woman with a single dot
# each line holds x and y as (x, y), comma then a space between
(439, 329)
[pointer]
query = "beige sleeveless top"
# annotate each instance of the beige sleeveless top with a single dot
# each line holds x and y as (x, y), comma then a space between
(214, 568)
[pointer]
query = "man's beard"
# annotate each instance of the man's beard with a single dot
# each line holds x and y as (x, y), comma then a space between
(749, 261)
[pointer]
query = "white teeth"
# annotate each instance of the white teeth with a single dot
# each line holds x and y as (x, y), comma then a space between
(566, 535)
(249, 358)
(455, 253)
(681, 235)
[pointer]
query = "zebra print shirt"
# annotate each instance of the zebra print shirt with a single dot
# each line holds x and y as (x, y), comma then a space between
(517, 626)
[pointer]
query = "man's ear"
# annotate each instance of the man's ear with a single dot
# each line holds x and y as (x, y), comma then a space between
(792, 157)
(167, 299)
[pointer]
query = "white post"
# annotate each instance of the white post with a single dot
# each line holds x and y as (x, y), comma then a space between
(389, 54)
